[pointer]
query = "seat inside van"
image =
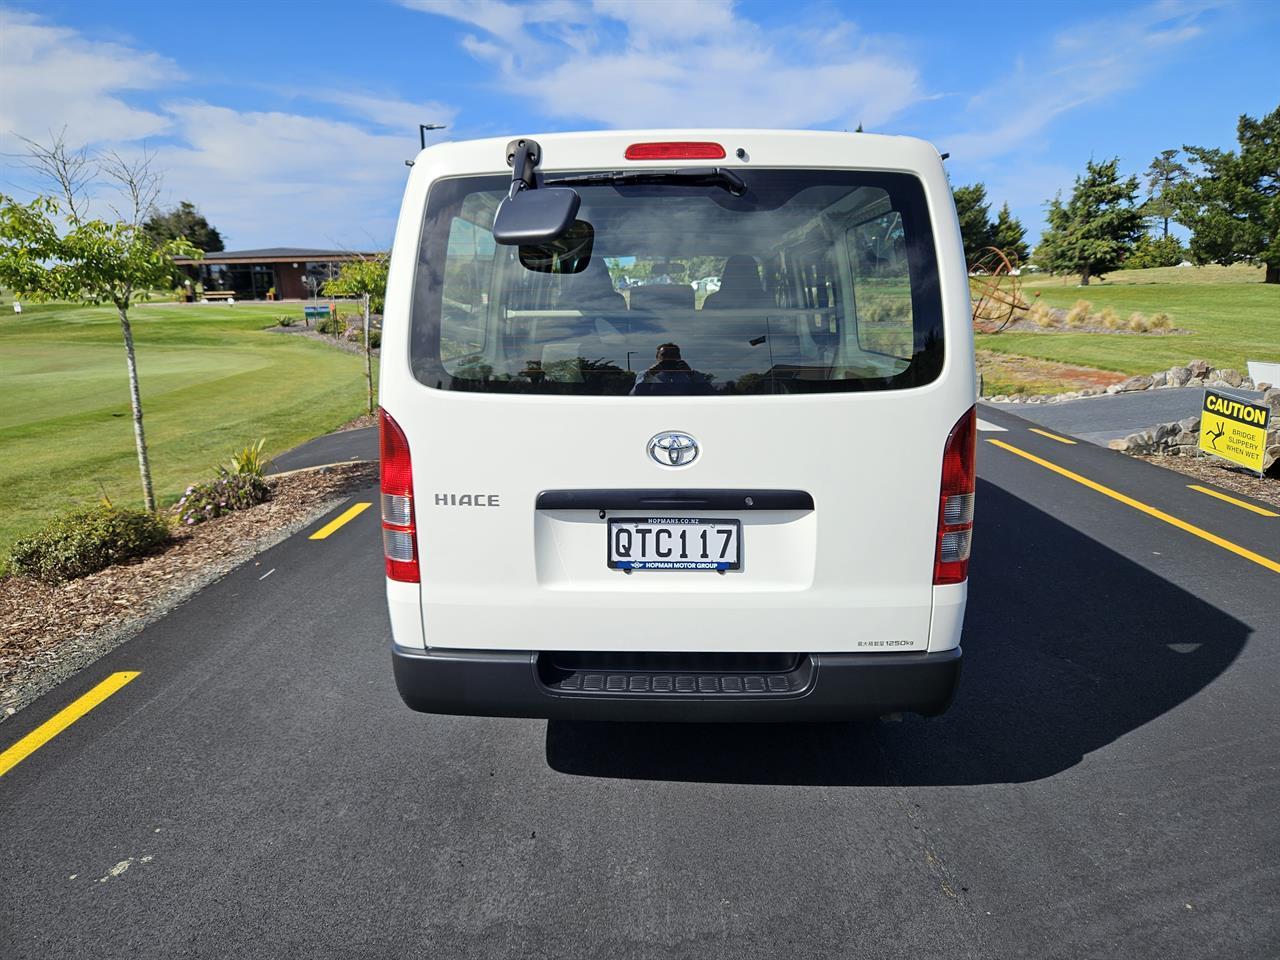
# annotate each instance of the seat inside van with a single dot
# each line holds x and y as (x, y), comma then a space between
(662, 296)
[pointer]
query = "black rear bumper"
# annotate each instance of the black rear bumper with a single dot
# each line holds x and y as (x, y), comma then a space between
(812, 687)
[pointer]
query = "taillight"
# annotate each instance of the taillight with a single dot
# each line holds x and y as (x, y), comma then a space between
(955, 507)
(399, 540)
(676, 150)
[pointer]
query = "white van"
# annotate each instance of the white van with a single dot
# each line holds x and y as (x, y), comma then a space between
(608, 494)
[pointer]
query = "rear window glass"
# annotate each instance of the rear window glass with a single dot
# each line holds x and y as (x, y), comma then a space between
(811, 281)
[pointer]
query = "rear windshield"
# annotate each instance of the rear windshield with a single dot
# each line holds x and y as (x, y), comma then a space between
(810, 281)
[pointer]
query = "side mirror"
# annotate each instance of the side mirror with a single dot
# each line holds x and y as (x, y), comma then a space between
(570, 252)
(535, 216)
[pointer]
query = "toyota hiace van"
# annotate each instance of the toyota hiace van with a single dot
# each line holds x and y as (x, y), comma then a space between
(613, 490)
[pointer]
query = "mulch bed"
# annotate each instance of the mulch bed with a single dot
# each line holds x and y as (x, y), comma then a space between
(311, 333)
(1209, 470)
(47, 632)
(1039, 375)
(359, 423)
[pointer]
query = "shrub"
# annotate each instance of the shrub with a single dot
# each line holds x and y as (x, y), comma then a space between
(1042, 315)
(1161, 321)
(1138, 322)
(82, 541)
(330, 325)
(286, 319)
(247, 461)
(1079, 313)
(1110, 319)
(231, 491)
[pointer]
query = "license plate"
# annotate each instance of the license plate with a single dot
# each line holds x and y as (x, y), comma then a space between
(674, 543)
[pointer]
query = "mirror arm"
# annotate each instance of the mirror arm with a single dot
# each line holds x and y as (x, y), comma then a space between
(523, 156)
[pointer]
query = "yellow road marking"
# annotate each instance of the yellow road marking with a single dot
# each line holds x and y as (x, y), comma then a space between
(350, 513)
(1151, 511)
(1239, 503)
(64, 718)
(1051, 436)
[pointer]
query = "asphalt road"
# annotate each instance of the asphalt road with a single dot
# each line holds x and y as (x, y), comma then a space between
(1104, 786)
(359, 444)
(1111, 417)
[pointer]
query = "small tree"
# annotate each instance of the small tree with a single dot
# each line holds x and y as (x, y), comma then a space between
(367, 279)
(184, 222)
(1010, 236)
(1093, 231)
(50, 249)
(1151, 251)
(1162, 176)
(975, 220)
(1233, 207)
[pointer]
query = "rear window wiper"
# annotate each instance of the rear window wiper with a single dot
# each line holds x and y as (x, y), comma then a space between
(684, 177)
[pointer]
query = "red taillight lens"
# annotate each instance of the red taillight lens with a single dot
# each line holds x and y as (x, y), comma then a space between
(676, 150)
(399, 538)
(955, 507)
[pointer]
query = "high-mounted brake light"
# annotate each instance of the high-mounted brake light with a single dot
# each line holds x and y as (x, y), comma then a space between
(676, 150)
(955, 507)
(399, 539)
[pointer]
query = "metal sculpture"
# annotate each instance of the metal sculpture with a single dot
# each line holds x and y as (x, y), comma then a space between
(996, 291)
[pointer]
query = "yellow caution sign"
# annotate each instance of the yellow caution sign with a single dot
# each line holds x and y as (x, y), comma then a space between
(1234, 429)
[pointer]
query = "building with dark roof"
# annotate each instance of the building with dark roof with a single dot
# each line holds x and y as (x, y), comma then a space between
(284, 273)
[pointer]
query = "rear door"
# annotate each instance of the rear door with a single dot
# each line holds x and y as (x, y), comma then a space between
(813, 386)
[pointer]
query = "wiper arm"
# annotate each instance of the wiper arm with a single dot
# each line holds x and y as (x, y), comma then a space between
(684, 177)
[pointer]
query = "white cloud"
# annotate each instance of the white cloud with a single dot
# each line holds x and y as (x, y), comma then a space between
(1081, 65)
(670, 63)
(274, 178)
(386, 111)
(51, 76)
(264, 178)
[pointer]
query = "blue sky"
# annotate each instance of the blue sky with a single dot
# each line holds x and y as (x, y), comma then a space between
(288, 123)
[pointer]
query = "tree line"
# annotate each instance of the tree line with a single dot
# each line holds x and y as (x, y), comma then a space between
(1228, 199)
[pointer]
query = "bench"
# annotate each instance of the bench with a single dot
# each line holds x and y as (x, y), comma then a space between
(218, 295)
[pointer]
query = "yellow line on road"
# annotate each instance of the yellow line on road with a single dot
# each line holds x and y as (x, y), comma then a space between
(1051, 436)
(1150, 511)
(64, 718)
(332, 526)
(1239, 503)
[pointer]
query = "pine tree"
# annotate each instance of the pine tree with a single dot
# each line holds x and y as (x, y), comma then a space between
(975, 220)
(184, 222)
(1163, 174)
(1233, 208)
(1010, 236)
(1094, 230)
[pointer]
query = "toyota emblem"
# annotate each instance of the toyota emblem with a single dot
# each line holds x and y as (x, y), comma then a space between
(673, 449)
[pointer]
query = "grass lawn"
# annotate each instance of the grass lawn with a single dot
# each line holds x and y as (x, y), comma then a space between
(212, 380)
(1233, 317)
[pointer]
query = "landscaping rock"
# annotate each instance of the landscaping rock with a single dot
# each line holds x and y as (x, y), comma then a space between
(1160, 379)
(1134, 384)
(1199, 368)
(1178, 376)
(1230, 377)
(1190, 424)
